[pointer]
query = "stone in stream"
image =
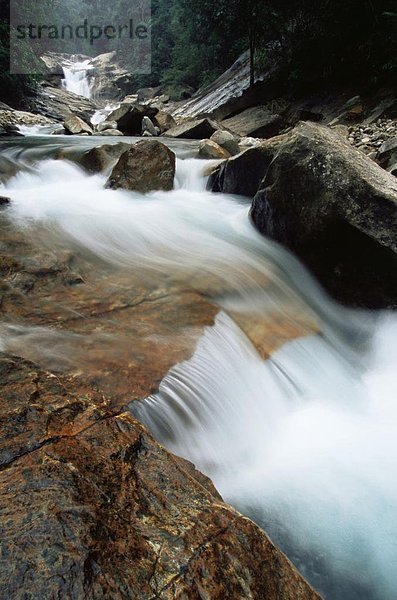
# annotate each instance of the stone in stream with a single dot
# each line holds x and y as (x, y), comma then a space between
(106, 125)
(212, 150)
(335, 209)
(242, 174)
(196, 129)
(226, 140)
(147, 166)
(74, 125)
(113, 132)
(101, 158)
(4, 201)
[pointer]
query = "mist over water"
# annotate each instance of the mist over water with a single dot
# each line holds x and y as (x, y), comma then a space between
(305, 442)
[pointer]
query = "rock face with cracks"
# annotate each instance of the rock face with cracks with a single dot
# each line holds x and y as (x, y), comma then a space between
(92, 507)
(337, 210)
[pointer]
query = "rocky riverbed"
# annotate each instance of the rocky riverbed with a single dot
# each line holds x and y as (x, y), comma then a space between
(93, 319)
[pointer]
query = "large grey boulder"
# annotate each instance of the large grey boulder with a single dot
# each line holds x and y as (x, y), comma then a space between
(103, 158)
(337, 210)
(148, 165)
(257, 121)
(243, 174)
(195, 129)
(74, 125)
(227, 141)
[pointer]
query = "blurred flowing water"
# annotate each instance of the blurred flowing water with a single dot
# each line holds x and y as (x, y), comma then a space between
(305, 442)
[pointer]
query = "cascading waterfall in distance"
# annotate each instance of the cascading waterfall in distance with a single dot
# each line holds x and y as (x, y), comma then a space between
(303, 442)
(76, 79)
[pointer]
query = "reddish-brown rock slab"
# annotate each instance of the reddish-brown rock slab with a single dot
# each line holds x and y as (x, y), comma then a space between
(92, 507)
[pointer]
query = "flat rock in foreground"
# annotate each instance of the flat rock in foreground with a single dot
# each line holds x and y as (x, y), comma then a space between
(145, 167)
(337, 210)
(92, 507)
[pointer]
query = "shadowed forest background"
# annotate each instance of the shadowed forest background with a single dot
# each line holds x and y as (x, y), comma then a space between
(316, 45)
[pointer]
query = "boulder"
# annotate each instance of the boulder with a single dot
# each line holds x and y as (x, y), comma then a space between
(244, 173)
(148, 165)
(103, 158)
(74, 125)
(106, 125)
(258, 121)
(4, 201)
(147, 126)
(227, 141)
(195, 129)
(164, 121)
(129, 117)
(210, 149)
(91, 506)
(336, 209)
(114, 132)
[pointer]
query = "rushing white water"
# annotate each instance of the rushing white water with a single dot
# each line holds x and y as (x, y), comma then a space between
(305, 443)
(76, 79)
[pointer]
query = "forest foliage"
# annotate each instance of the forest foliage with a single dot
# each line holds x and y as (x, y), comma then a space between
(316, 44)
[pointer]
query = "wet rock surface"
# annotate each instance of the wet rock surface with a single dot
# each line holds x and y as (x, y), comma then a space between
(195, 129)
(90, 505)
(146, 166)
(336, 210)
(104, 511)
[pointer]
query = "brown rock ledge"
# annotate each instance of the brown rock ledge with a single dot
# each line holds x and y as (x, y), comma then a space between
(92, 507)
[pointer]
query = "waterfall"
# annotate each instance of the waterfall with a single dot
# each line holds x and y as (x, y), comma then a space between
(76, 79)
(304, 442)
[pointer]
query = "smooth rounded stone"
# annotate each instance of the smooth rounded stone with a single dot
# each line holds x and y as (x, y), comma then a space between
(76, 126)
(336, 210)
(210, 149)
(4, 201)
(148, 126)
(113, 132)
(102, 158)
(227, 141)
(147, 166)
(106, 125)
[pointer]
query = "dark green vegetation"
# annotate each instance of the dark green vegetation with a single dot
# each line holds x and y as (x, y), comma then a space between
(316, 44)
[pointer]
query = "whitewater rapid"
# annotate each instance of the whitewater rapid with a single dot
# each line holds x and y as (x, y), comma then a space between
(305, 442)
